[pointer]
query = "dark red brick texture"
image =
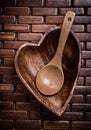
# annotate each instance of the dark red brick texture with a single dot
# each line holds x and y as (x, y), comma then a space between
(25, 21)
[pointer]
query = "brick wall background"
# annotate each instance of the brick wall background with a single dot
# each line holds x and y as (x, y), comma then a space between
(28, 20)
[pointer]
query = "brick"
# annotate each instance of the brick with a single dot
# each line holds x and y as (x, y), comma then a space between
(1, 62)
(6, 105)
(82, 3)
(35, 115)
(80, 81)
(72, 116)
(75, 128)
(0, 10)
(81, 107)
(67, 108)
(10, 114)
(88, 63)
(31, 3)
(6, 124)
(84, 36)
(13, 44)
(81, 125)
(44, 11)
(88, 81)
(32, 98)
(10, 79)
(82, 90)
(78, 28)
(17, 27)
(17, 11)
(78, 11)
(89, 28)
(29, 36)
(85, 72)
(28, 124)
(6, 87)
(7, 36)
(7, 19)
(0, 27)
(8, 62)
(89, 11)
(82, 20)
(6, 53)
(82, 45)
(15, 97)
(83, 63)
(4, 3)
(21, 88)
(86, 55)
(56, 125)
(88, 98)
(41, 28)
(0, 99)
(88, 116)
(57, 3)
(31, 19)
(1, 45)
(6, 70)
(28, 106)
(77, 99)
(88, 45)
(0, 78)
(54, 19)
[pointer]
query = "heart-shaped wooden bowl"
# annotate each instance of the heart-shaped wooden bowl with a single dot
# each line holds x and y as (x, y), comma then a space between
(30, 58)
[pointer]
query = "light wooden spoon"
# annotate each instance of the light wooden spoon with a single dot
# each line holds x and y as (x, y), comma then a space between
(50, 78)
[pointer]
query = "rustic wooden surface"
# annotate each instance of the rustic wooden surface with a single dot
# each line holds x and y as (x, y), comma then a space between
(22, 21)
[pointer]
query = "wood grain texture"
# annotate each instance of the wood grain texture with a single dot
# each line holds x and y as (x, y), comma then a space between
(30, 59)
(19, 13)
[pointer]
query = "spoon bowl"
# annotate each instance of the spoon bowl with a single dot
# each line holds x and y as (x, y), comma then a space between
(50, 79)
(46, 75)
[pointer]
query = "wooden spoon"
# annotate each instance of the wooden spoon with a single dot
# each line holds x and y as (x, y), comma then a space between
(50, 78)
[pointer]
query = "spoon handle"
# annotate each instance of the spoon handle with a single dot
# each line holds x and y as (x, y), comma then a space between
(66, 27)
